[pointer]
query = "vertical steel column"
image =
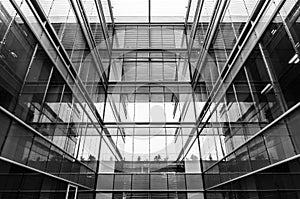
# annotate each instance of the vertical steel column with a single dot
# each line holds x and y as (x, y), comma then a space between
(187, 13)
(111, 14)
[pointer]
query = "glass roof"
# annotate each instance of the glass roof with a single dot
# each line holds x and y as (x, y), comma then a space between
(160, 10)
(168, 10)
(130, 10)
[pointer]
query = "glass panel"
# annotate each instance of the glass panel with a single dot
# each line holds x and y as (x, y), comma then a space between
(140, 182)
(31, 181)
(194, 182)
(161, 12)
(31, 100)
(39, 153)
(158, 182)
(18, 49)
(176, 182)
(195, 196)
(258, 153)
(242, 160)
(192, 160)
(107, 159)
(284, 60)
(122, 182)
(124, 11)
(54, 160)
(263, 93)
(5, 17)
(5, 124)
(104, 195)
(66, 167)
(15, 55)
(294, 126)
(18, 143)
(105, 182)
(278, 143)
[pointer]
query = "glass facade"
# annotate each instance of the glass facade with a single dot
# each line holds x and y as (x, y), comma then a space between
(107, 99)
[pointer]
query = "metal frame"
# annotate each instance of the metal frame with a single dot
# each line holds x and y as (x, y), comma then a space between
(42, 172)
(188, 13)
(111, 13)
(68, 68)
(84, 24)
(213, 95)
(68, 191)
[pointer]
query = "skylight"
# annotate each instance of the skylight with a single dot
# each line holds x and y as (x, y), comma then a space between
(149, 10)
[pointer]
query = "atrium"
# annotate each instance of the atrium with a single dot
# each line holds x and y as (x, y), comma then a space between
(162, 99)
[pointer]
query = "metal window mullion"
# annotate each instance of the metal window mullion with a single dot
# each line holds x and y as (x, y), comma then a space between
(66, 145)
(240, 109)
(50, 8)
(77, 82)
(195, 24)
(259, 133)
(212, 95)
(60, 37)
(111, 13)
(223, 43)
(45, 94)
(232, 25)
(42, 172)
(89, 37)
(2, 42)
(290, 36)
(28, 69)
(255, 101)
(211, 32)
(104, 25)
(14, 118)
(82, 140)
(273, 78)
(25, 20)
(236, 99)
(187, 13)
(212, 24)
(149, 12)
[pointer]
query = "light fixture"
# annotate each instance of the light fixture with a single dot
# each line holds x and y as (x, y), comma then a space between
(295, 59)
(266, 89)
(13, 54)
